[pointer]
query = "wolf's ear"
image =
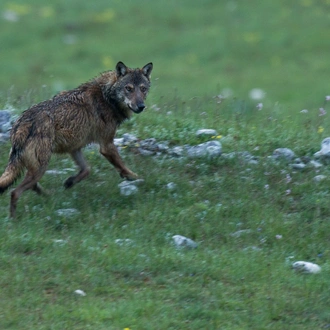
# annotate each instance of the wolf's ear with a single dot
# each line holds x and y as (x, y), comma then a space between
(121, 69)
(147, 70)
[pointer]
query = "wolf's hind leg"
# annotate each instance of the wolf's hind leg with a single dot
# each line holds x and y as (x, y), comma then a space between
(38, 189)
(84, 169)
(29, 182)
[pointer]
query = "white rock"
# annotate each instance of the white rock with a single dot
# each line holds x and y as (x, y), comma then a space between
(226, 93)
(136, 182)
(60, 241)
(118, 142)
(124, 241)
(181, 241)
(210, 149)
(319, 178)
(306, 267)
(129, 138)
(256, 94)
(128, 190)
(177, 151)
(213, 151)
(241, 232)
(325, 148)
(67, 212)
(171, 186)
(252, 248)
(56, 172)
(10, 15)
(284, 153)
(145, 152)
(206, 131)
(80, 293)
(299, 166)
(4, 137)
(315, 164)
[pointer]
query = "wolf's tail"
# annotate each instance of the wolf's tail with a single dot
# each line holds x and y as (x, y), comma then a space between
(11, 173)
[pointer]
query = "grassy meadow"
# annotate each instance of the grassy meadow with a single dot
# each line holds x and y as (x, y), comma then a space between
(200, 50)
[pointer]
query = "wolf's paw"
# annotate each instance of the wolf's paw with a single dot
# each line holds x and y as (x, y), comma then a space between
(130, 176)
(69, 182)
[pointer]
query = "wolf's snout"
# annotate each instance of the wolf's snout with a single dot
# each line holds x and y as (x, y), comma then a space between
(140, 107)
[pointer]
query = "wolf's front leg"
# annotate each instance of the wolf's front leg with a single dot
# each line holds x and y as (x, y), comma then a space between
(110, 152)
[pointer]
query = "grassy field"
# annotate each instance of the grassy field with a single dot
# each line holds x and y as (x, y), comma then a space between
(200, 49)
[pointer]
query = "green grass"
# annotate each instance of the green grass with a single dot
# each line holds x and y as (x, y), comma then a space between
(198, 49)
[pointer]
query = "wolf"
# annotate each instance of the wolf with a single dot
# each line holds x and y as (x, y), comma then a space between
(68, 122)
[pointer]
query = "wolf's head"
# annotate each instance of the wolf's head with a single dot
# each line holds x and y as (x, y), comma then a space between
(130, 88)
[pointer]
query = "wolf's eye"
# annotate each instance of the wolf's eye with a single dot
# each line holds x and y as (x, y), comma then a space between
(129, 88)
(143, 89)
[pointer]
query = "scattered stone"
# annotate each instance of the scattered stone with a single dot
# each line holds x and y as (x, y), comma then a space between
(177, 151)
(124, 241)
(149, 144)
(80, 293)
(129, 139)
(207, 131)
(207, 149)
(306, 267)
(319, 178)
(5, 118)
(325, 149)
(58, 172)
(60, 241)
(315, 164)
(4, 137)
(171, 186)
(241, 232)
(184, 242)
(284, 153)
(245, 156)
(119, 142)
(128, 190)
(67, 212)
(298, 166)
(163, 147)
(136, 182)
(145, 152)
(150, 147)
(252, 248)
(257, 94)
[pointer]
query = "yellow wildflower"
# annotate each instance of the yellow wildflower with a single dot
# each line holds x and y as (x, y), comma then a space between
(18, 9)
(104, 17)
(47, 11)
(107, 62)
(307, 3)
(252, 37)
(320, 130)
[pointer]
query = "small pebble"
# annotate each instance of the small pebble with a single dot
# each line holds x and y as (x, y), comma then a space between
(124, 241)
(182, 241)
(319, 178)
(206, 131)
(80, 293)
(67, 212)
(306, 267)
